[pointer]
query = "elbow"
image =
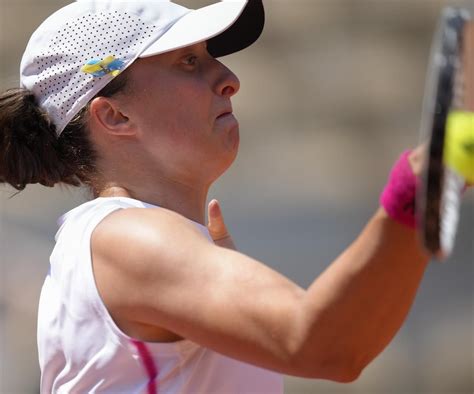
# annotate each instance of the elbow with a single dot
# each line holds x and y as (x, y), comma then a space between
(345, 375)
(341, 368)
(335, 372)
(348, 370)
(325, 356)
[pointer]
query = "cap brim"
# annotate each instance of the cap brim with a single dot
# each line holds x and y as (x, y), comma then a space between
(228, 26)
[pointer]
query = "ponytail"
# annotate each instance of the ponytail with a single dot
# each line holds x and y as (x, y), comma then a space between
(28, 143)
(31, 152)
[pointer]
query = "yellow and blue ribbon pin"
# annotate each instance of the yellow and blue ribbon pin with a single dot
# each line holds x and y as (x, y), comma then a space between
(99, 68)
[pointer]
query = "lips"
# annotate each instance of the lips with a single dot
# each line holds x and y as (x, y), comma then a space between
(225, 113)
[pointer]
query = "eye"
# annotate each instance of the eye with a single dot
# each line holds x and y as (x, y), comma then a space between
(190, 60)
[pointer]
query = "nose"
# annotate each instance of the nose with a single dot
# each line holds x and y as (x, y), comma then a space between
(227, 84)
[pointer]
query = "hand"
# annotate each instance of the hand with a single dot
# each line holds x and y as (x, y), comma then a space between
(468, 64)
(216, 226)
(417, 157)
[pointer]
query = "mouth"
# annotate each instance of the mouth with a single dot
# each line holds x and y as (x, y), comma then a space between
(225, 113)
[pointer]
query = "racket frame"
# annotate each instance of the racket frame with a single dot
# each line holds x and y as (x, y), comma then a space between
(431, 202)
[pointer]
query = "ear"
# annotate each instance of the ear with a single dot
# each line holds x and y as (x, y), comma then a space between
(105, 112)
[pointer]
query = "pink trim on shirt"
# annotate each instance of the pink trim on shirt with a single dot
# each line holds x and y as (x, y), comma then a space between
(150, 366)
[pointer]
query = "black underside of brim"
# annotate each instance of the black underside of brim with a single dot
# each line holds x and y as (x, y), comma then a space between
(243, 33)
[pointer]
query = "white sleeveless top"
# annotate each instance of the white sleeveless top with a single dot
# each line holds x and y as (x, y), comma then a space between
(81, 350)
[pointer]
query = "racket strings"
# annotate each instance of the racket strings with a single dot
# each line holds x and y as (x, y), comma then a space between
(446, 91)
(451, 183)
(450, 207)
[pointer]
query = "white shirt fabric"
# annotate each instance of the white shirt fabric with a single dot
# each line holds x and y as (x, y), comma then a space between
(81, 349)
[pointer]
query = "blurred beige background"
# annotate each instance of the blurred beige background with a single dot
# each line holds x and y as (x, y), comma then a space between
(330, 95)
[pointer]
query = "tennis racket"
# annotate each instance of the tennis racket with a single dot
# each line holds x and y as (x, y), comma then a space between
(447, 129)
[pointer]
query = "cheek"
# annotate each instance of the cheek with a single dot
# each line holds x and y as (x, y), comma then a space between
(183, 96)
(175, 113)
(184, 113)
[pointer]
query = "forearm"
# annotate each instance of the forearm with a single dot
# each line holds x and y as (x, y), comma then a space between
(353, 310)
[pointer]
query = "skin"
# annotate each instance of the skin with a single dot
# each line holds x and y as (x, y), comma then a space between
(166, 131)
(162, 280)
(468, 64)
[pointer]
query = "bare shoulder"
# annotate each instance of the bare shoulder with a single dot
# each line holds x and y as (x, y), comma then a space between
(143, 234)
(161, 277)
(143, 225)
(140, 254)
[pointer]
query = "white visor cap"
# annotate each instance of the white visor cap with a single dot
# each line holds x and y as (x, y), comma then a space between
(80, 48)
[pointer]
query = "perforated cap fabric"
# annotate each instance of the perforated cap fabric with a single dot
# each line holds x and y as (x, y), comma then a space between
(80, 48)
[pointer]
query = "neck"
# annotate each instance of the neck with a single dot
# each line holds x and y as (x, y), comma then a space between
(180, 198)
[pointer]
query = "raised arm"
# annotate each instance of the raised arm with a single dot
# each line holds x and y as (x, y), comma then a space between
(154, 267)
(357, 305)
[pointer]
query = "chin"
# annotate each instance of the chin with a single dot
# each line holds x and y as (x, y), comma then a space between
(234, 149)
(226, 163)
(235, 141)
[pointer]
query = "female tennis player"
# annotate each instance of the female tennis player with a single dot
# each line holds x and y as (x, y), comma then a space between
(129, 99)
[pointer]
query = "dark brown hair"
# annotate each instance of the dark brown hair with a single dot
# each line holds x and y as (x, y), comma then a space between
(31, 152)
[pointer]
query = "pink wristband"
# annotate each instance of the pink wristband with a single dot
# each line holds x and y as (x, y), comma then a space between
(399, 194)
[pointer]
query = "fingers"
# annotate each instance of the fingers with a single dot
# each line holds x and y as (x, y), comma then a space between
(215, 225)
(468, 64)
(217, 228)
(417, 158)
